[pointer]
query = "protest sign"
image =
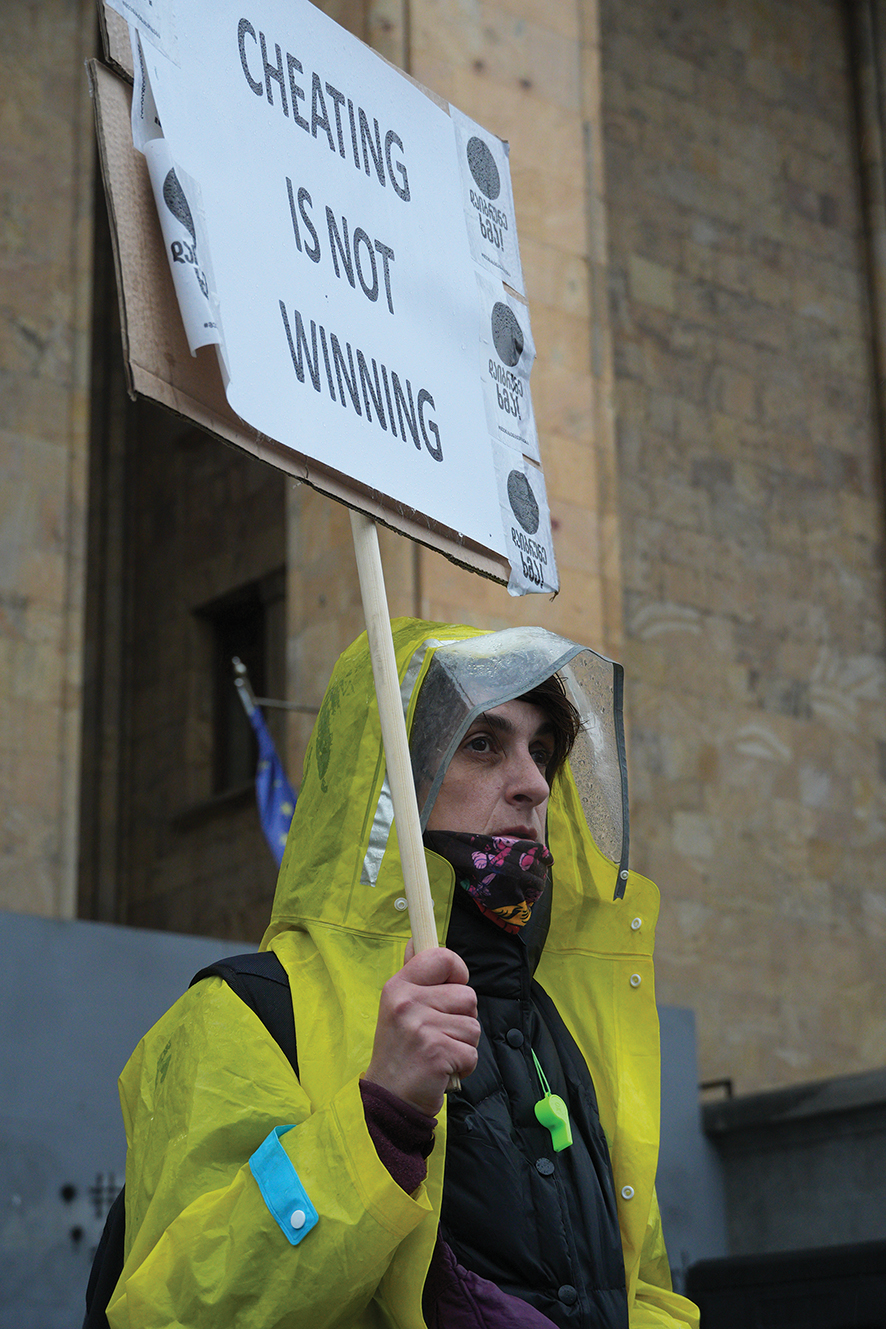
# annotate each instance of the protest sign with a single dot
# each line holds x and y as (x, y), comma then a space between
(348, 245)
(344, 240)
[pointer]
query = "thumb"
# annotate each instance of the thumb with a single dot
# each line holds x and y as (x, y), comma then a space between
(435, 966)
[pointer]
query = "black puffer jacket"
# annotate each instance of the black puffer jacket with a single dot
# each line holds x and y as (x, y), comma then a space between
(541, 1225)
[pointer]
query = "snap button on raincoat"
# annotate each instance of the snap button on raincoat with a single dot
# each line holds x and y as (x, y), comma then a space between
(207, 1085)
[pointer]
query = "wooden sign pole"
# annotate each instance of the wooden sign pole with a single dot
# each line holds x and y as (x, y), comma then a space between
(393, 729)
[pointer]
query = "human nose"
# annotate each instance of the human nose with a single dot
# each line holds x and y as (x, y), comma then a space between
(528, 781)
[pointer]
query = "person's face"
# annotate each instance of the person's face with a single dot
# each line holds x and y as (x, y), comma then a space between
(495, 784)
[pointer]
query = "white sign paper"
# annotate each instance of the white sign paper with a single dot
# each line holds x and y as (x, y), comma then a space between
(181, 216)
(507, 352)
(527, 523)
(326, 196)
(488, 200)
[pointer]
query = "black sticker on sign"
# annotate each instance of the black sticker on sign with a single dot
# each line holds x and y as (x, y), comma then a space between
(483, 167)
(524, 504)
(174, 198)
(506, 334)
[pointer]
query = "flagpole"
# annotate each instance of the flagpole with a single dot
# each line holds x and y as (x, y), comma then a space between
(243, 686)
(274, 794)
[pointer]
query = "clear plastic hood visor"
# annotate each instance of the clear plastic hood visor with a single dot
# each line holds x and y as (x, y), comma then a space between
(468, 677)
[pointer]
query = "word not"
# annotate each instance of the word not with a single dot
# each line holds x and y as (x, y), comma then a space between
(361, 382)
(370, 152)
(340, 247)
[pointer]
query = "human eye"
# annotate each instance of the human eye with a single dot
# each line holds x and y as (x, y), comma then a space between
(542, 755)
(478, 743)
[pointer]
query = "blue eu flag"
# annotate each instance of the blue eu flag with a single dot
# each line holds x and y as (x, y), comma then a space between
(274, 793)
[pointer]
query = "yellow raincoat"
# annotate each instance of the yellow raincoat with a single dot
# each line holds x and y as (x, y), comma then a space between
(207, 1087)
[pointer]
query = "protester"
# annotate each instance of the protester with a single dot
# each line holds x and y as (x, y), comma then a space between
(258, 1199)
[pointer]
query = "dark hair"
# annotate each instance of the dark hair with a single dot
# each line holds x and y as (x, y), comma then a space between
(550, 697)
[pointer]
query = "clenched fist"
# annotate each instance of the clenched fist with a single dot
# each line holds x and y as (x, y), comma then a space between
(427, 1029)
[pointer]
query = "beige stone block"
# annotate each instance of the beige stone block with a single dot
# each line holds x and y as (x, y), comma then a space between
(505, 47)
(537, 129)
(579, 611)
(549, 204)
(859, 517)
(686, 508)
(563, 404)
(436, 74)
(576, 533)
(33, 411)
(451, 594)
(26, 886)
(38, 672)
(591, 91)
(736, 393)
(44, 576)
(561, 339)
(555, 278)
(571, 472)
(651, 283)
(560, 16)
(398, 565)
(687, 585)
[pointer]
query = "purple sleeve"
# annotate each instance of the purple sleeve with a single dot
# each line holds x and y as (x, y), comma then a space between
(403, 1136)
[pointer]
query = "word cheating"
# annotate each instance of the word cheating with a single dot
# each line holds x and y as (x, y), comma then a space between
(372, 153)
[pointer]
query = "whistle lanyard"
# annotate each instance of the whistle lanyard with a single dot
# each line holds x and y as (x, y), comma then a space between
(552, 1112)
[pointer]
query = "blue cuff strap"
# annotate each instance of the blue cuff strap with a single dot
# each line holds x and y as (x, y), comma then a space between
(281, 1189)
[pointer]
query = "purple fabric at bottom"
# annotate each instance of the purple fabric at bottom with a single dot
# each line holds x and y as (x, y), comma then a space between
(455, 1298)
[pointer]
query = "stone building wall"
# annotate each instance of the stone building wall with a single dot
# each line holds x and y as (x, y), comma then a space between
(46, 203)
(751, 526)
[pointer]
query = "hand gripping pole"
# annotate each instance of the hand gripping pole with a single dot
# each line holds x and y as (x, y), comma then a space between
(393, 731)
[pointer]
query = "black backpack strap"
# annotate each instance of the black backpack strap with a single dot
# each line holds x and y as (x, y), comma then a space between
(106, 1266)
(260, 981)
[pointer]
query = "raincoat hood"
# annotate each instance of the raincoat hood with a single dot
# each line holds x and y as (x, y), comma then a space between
(341, 866)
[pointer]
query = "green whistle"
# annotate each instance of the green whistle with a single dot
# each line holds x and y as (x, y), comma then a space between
(553, 1113)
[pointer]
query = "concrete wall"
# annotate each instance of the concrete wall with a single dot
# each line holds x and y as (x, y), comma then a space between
(76, 998)
(803, 1167)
